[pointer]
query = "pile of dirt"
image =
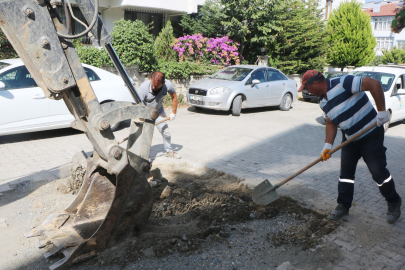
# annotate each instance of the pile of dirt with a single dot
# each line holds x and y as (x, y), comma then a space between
(72, 184)
(193, 206)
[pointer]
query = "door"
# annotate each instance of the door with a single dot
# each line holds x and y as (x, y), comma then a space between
(278, 86)
(258, 94)
(397, 102)
(59, 114)
(23, 105)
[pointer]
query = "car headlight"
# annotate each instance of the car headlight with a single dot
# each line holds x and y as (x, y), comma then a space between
(219, 91)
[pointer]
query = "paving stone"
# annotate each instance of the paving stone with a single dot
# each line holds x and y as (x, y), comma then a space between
(346, 245)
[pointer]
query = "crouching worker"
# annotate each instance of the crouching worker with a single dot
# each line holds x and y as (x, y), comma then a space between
(347, 106)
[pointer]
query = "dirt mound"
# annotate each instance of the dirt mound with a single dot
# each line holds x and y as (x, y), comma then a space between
(192, 207)
(73, 183)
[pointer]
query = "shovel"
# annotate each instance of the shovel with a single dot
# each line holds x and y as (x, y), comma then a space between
(265, 193)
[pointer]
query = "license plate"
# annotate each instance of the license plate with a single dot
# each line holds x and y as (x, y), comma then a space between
(196, 98)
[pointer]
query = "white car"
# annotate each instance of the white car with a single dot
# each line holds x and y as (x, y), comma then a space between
(24, 107)
(392, 79)
(243, 86)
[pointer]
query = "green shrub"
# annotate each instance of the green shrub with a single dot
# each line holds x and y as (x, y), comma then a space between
(395, 56)
(184, 69)
(376, 61)
(134, 44)
(162, 44)
(91, 55)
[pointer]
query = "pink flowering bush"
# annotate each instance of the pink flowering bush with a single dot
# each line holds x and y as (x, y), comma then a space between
(219, 51)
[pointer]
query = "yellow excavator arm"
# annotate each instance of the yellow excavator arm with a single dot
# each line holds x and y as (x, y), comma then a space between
(115, 199)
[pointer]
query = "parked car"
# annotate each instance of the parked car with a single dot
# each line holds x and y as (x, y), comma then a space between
(24, 107)
(243, 86)
(329, 75)
(392, 79)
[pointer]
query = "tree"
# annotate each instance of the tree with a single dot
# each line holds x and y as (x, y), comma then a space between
(351, 41)
(207, 21)
(394, 56)
(6, 49)
(134, 44)
(301, 44)
(247, 22)
(162, 44)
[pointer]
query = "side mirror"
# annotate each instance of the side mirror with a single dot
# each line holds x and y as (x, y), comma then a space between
(401, 92)
(254, 82)
(2, 85)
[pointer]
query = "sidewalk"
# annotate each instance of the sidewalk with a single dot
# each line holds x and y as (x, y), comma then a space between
(260, 144)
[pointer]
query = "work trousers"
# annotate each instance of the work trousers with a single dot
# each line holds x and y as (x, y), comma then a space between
(164, 130)
(371, 149)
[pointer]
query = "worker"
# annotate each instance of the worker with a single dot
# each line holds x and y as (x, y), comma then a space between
(347, 106)
(152, 94)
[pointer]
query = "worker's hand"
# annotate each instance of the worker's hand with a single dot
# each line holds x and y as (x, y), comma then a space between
(172, 116)
(325, 152)
(382, 118)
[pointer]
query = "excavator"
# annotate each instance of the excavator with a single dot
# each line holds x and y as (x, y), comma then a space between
(115, 199)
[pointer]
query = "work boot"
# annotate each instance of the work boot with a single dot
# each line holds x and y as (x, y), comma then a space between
(394, 211)
(339, 212)
(173, 154)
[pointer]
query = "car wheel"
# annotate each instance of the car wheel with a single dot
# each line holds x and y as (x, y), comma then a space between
(307, 99)
(387, 125)
(237, 106)
(285, 104)
(117, 125)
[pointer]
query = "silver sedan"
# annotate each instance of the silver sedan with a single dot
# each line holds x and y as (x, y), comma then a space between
(243, 86)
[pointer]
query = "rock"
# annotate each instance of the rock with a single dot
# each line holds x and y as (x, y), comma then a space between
(285, 266)
(149, 252)
(3, 223)
(155, 174)
(167, 192)
(173, 241)
(184, 237)
(153, 183)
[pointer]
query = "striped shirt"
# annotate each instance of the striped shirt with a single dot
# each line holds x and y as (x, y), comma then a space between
(347, 106)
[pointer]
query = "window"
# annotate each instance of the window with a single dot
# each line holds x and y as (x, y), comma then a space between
(398, 85)
(147, 18)
(231, 74)
(386, 79)
(401, 44)
(384, 43)
(379, 24)
(260, 75)
(91, 75)
(75, 27)
(273, 75)
(17, 78)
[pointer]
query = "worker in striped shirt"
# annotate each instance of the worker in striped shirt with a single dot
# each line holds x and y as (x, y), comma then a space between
(348, 107)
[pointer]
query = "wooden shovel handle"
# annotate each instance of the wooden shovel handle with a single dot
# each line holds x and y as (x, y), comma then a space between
(331, 152)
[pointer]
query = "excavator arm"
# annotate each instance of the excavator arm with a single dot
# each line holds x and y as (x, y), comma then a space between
(115, 200)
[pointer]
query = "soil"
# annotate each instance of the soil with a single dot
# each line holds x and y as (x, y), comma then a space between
(197, 213)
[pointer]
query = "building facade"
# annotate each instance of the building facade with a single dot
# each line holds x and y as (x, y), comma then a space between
(157, 12)
(382, 15)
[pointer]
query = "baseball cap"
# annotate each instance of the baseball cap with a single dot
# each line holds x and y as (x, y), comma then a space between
(308, 77)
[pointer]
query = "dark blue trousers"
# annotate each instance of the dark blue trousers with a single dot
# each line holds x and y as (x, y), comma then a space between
(371, 149)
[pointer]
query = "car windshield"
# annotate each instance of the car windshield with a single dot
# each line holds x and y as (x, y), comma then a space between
(231, 74)
(330, 75)
(386, 79)
(3, 65)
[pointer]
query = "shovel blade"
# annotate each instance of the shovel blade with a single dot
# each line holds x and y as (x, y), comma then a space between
(264, 193)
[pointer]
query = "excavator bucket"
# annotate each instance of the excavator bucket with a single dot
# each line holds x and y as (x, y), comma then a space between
(107, 209)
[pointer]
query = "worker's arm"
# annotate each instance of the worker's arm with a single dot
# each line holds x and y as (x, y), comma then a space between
(172, 116)
(330, 130)
(374, 87)
(376, 91)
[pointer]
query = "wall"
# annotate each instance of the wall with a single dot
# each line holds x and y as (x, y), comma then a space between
(181, 85)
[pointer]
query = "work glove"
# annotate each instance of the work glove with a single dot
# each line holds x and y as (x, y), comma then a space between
(382, 118)
(325, 152)
(172, 116)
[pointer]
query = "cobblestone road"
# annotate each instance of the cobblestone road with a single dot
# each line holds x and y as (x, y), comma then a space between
(260, 144)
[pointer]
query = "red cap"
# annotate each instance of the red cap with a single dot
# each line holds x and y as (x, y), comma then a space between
(308, 77)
